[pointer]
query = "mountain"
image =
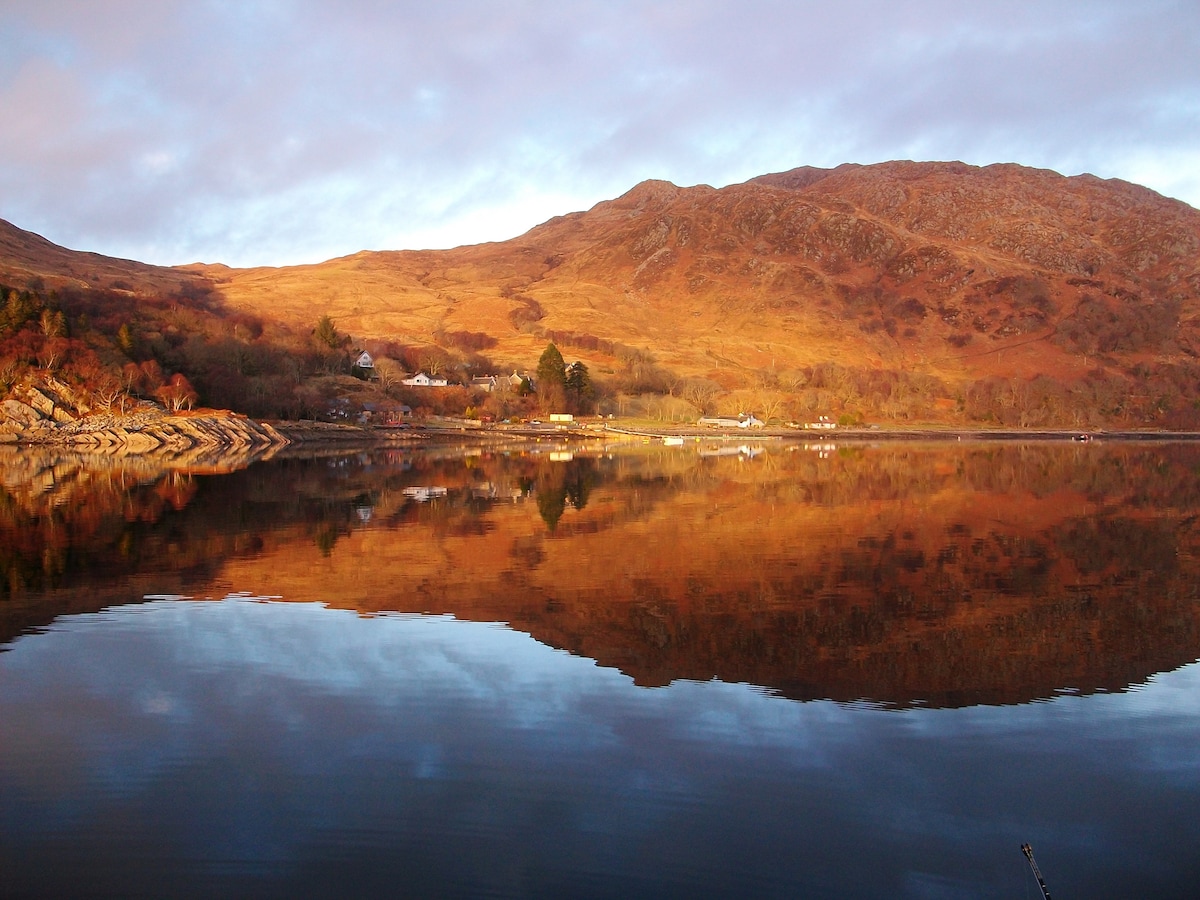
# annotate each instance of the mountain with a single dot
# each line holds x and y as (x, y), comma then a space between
(26, 257)
(899, 291)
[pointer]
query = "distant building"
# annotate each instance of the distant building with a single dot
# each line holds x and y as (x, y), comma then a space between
(515, 381)
(423, 380)
(365, 361)
(487, 383)
(742, 421)
(395, 415)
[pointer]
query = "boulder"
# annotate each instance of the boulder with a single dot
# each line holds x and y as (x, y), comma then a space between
(18, 412)
(41, 402)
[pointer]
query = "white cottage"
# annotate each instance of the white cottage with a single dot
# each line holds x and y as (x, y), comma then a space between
(423, 380)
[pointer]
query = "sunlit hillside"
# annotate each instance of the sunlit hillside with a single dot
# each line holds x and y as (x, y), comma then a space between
(895, 292)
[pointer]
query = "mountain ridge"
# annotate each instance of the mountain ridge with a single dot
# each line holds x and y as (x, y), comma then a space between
(944, 275)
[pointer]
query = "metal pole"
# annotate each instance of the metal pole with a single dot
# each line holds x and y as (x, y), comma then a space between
(1028, 851)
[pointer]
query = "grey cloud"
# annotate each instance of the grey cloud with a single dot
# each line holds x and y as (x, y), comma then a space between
(174, 131)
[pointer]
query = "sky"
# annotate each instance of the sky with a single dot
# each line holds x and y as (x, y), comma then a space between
(273, 132)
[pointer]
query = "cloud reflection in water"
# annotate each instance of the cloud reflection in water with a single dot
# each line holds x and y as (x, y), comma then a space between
(289, 749)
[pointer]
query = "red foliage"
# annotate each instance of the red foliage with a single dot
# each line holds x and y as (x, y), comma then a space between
(177, 394)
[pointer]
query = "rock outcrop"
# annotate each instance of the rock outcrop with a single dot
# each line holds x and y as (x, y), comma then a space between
(50, 412)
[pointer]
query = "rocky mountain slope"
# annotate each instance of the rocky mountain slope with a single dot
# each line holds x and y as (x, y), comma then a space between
(788, 258)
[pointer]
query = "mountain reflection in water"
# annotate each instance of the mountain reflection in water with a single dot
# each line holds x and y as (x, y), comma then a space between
(934, 575)
(253, 741)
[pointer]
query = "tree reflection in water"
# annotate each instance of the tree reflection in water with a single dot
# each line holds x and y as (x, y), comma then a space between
(943, 575)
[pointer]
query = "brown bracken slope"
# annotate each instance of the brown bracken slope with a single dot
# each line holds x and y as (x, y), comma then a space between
(939, 271)
(893, 264)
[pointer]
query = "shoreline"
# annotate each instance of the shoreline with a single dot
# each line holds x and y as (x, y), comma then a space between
(153, 432)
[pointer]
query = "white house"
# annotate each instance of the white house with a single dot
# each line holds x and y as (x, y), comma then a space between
(365, 361)
(742, 421)
(423, 380)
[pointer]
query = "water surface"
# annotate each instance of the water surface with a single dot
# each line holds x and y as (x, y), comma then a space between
(818, 672)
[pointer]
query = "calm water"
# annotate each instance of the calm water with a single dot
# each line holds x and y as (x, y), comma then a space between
(826, 671)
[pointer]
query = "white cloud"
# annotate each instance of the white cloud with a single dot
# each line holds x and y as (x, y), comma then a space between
(271, 132)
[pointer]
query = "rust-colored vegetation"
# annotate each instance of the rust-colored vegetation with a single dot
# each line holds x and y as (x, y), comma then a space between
(900, 292)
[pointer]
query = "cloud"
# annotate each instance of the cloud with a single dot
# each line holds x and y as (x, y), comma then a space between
(286, 736)
(275, 132)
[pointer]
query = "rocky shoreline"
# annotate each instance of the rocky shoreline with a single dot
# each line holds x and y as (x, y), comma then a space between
(51, 413)
(46, 412)
(149, 434)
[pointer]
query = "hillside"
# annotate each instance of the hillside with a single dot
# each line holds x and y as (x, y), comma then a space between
(897, 292)
(26, 257)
